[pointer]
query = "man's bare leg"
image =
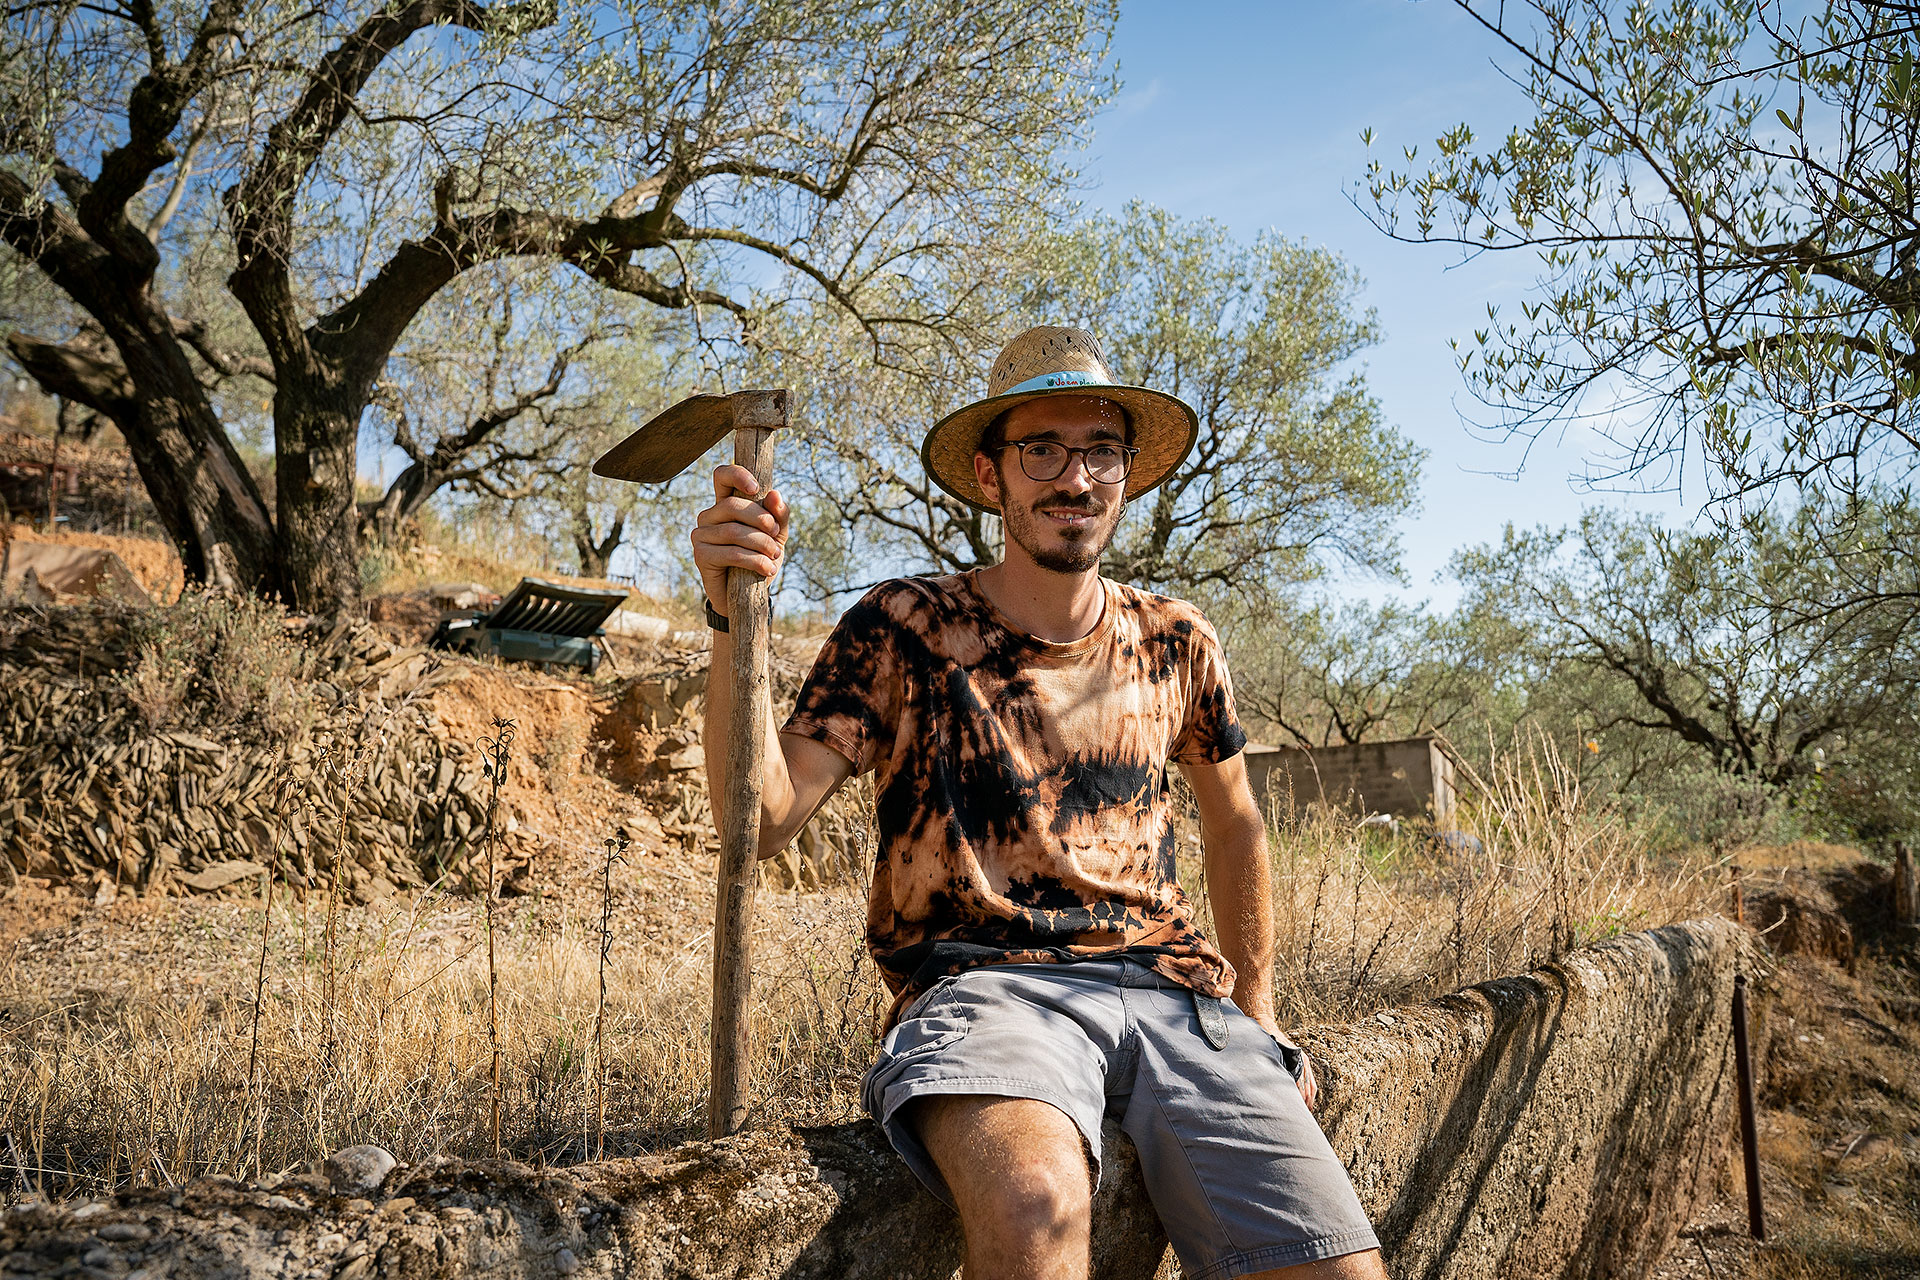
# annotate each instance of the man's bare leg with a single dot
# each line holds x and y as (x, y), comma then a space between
(1018, 1172)
(1351, 1266)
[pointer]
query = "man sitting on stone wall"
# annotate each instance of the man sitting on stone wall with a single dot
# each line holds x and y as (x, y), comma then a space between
(1045, 965)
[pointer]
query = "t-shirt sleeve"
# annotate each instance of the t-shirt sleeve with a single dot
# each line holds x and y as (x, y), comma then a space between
(1211, 732)
(850, 699)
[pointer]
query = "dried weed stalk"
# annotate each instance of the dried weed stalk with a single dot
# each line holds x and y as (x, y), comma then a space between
(616, 847)
(283, 791)
(1369, 917)
(498, 754)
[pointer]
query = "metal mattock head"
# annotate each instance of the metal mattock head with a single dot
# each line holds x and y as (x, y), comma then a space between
(677, 436)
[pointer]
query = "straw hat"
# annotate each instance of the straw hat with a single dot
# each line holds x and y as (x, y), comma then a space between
(1049, 361)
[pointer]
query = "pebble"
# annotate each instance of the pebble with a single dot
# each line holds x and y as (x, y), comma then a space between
(123, 1231)
(564, 1262)
(359, 1171)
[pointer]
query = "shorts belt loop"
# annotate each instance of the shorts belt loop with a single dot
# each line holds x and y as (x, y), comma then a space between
(1213, 1019)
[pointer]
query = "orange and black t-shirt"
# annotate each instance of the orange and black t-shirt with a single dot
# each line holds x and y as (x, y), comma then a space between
(1021, 785)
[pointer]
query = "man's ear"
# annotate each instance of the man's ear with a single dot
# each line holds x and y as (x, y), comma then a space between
(987, 478)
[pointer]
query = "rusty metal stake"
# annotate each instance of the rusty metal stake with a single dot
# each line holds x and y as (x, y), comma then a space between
(1749, 1133)
(1906, 893)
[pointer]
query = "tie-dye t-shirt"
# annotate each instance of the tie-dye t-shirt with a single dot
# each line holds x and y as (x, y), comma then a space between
(1021, 785)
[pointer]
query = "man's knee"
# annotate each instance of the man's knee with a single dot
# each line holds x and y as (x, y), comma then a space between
(1048, 1195)
(1364, 1265)
(1014, 1162)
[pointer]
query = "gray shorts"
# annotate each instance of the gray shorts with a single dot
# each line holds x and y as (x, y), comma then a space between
(1237, 1168)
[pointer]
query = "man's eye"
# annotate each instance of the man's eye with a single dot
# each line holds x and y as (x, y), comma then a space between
(1103, 455)
(1043, 452)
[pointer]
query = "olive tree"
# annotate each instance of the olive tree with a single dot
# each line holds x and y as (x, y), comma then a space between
(1723, 198)
(343, 162)
(535, 470)
(1332, 674)
(1747, 647)
(1295, 467)
(495, 383)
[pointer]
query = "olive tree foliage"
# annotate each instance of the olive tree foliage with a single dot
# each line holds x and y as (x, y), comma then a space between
(495, 383)
(1294, 468)
(1722, 195)
(864, 508)
(620, 374)
(345, 161)
(1323, 673)
(1741, 646)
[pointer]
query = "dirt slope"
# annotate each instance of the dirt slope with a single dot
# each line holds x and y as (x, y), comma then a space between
(1839, 1112)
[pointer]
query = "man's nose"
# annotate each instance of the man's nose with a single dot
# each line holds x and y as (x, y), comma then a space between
(1076, 478)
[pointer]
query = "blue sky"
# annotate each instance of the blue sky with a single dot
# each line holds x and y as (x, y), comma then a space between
(1251, 114)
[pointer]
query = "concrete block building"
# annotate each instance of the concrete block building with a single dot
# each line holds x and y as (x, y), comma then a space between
(1406, 778)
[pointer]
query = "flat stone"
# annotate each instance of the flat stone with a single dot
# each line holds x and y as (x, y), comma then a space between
(123, 1231)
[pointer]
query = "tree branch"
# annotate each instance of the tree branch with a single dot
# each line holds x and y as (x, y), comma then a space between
(228, 364)
(154, 108)
(261, 204)
(72, 373)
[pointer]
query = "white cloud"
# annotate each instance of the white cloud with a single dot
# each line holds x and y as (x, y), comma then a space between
(1134, 102)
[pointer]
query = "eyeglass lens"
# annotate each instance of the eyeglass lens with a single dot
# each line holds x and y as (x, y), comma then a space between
(1045, 460)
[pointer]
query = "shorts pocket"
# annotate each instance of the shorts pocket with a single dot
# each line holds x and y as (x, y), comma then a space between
(920, 1046)
(920, 1005)
(905, 1048)
(1292, 1057)
(930, 1022)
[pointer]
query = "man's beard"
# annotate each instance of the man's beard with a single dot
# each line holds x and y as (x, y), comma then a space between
(1028, 529)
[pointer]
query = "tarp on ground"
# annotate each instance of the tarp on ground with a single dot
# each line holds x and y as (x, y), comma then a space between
(70, 571)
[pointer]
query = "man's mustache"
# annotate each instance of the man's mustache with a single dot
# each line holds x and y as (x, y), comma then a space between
(1084, 503)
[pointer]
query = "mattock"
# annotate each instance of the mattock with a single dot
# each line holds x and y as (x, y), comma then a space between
(655, 454)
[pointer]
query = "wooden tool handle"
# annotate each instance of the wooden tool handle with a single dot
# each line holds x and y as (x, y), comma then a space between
(749, 616)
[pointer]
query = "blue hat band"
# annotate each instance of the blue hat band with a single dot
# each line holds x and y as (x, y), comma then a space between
(1065, 378)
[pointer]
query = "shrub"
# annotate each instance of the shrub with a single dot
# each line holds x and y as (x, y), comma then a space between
(219, 661)
(1698, 804)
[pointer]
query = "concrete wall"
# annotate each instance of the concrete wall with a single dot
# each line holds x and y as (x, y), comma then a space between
(1554, 1125)
(1408, 778)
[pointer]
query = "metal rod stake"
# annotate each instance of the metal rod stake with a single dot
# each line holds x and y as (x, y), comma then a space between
(1749, 1132)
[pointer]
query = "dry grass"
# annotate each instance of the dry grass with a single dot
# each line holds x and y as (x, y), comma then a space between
(150, 1087)
(377, 1029)
(1366, 917)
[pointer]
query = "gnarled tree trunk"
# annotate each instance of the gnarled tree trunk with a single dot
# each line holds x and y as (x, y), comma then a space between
(316, 429)
(201, 490)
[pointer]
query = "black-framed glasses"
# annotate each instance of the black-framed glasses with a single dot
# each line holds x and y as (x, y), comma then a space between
(1047, 459)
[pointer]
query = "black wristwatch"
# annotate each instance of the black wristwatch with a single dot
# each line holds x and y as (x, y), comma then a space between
(716, 619)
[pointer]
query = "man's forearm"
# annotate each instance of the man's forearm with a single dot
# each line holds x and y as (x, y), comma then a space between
(1240, 885)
